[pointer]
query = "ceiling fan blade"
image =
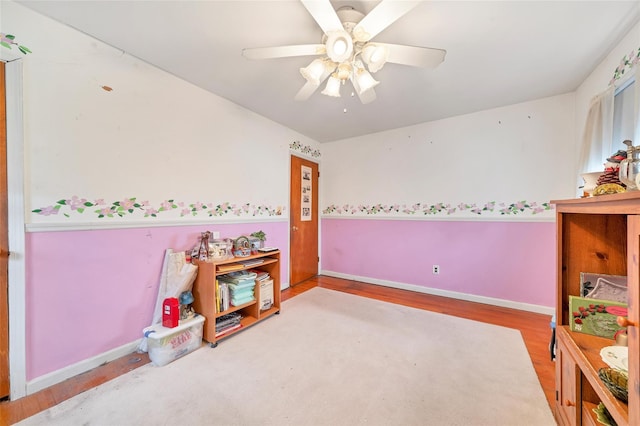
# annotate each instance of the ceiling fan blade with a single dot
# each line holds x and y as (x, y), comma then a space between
(368, 96)
(305, 93)
(383, 15)
(309, 89)
(284, 51)
(424, 57)
(324, 14)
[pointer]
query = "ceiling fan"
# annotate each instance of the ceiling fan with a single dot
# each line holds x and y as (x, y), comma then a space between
(347, 52)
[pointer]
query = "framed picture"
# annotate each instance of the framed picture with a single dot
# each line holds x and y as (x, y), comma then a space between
(603, 287)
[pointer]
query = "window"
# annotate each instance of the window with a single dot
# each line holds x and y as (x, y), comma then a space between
(623, 119)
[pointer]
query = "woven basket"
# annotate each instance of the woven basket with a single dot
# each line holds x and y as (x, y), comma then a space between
(615, 381)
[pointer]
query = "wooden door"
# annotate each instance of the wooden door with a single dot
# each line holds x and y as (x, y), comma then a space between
(4, 244)
(304, 220)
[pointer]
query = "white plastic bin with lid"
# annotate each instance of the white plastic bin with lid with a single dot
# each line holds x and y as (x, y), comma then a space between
(168, 344)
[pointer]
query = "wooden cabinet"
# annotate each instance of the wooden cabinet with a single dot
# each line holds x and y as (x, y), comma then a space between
(205, 298)
(567, 385)
(599, 235)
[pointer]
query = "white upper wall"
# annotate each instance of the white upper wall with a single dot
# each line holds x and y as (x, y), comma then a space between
(504, 155)
(104, 126)
(156, 138)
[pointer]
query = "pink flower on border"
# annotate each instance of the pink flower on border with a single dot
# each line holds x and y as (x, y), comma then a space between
(126, 204)
(74, 203)
(49, 210)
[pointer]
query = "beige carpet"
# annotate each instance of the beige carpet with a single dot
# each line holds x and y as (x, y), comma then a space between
(330, 358)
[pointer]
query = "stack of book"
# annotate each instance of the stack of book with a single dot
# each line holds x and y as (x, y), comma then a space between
(260, 275)
(222, 296)
(227, 323)
(241, 286)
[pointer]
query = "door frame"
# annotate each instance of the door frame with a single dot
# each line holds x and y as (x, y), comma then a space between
(317, 161)
(16, 229)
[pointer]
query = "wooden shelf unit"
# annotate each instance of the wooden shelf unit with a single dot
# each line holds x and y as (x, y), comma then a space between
(204, 293)
(598, 235)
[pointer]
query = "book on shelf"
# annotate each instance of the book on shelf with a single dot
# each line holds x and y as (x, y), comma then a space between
(230, 267)
(223, 298)
(251, 262)
(217, 296)
(227, 323)
(238, 277)
(227, 330)
(260, 275)
(228, 319)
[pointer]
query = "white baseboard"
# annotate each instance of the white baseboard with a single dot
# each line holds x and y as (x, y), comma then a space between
(83, 366)
(58, 376)
(445, 293)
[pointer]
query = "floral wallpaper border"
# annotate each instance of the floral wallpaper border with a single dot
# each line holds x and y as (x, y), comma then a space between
(304, 149)
(520, 207)
(627, 62)
(130, 206)
(8, 40)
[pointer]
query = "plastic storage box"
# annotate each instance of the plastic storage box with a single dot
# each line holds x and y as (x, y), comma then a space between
(168, 344)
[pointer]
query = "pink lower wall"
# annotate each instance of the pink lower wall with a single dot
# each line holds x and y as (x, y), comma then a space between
(514, 261)
(89, 292)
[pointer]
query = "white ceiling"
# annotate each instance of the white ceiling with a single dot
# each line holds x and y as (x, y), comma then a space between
(498, 53)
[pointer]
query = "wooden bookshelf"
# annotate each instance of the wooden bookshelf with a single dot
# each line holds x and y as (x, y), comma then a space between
(206, 302)
(597, 235)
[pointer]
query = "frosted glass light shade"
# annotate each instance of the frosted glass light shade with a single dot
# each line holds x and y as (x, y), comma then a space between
(375, 56)
(339, 46)
(344, 71)
(333, 87)
(365, 80)
(313, 71)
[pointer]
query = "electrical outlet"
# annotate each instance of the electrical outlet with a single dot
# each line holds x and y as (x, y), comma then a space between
(216, 235)
(436, 269)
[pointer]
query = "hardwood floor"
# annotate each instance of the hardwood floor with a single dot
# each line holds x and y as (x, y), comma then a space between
(534, 328)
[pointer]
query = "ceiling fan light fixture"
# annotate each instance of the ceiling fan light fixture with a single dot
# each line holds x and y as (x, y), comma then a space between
(364, 80)
(339, 46)
(313, 71)
(375, 56)
(333, 86)
(344, 71)
(360, 35)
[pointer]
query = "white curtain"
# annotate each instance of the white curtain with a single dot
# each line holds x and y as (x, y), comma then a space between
(598, 133)
(636, 109)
